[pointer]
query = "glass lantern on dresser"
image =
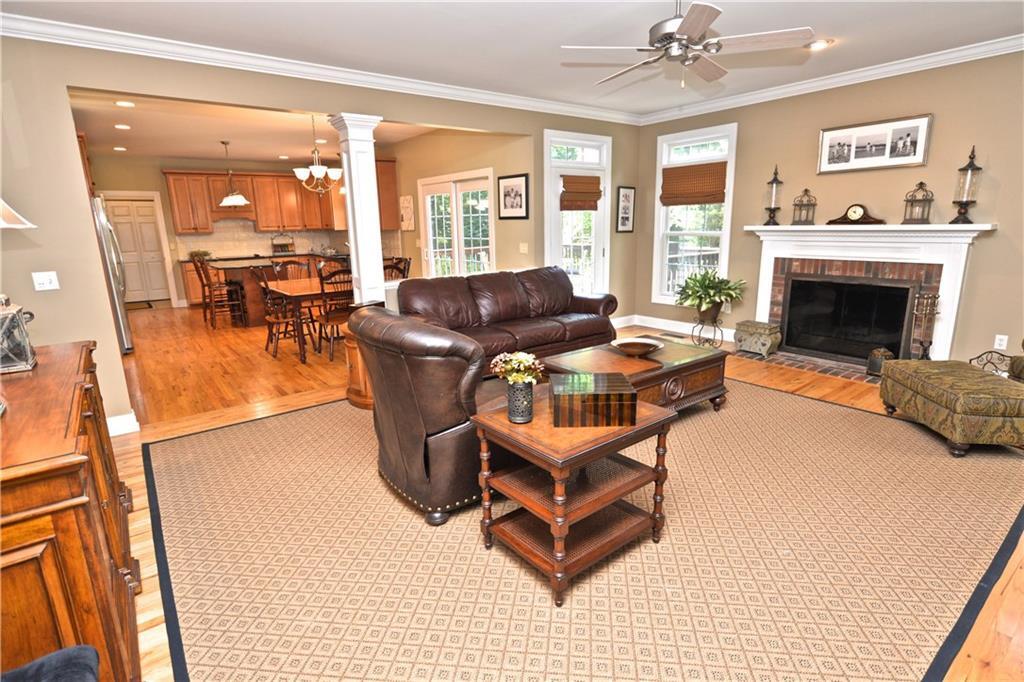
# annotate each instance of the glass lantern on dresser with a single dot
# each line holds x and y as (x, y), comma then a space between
(917, 205)
(16, 352)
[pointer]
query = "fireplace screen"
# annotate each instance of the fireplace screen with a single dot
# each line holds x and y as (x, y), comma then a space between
(847, 317)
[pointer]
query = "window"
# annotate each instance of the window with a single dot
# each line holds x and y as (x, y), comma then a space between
(576, 200)
(458, 231)
(692, 209)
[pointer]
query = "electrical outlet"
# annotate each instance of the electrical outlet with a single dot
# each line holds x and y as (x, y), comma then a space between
(1002, 340)
(727, 308)
(524, 247)
(47, 281)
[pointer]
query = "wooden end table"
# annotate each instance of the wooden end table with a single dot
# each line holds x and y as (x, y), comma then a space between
(676, 376)
(570, 488)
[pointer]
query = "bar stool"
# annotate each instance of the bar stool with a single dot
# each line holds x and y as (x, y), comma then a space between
(220, 297)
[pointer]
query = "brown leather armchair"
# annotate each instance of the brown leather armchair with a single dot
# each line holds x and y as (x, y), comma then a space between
(424, 381)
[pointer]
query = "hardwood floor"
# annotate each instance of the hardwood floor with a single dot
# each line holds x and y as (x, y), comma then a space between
(181, 367)
(185, 378)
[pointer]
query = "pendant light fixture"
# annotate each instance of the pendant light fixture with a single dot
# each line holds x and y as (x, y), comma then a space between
(233, 198)
(317, 177)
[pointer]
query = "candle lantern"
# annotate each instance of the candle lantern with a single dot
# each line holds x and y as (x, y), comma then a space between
(16, 352)
(803, 208)
(917, 205)
(773, 197)
(926, 307)
(966, 189)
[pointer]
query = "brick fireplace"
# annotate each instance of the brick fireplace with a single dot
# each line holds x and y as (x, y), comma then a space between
(925, 276)
(932, 256)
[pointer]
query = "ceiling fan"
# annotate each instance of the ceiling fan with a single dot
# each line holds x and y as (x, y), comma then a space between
(682, 38)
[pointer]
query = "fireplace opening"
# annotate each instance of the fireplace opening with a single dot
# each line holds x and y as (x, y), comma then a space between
(845, 318)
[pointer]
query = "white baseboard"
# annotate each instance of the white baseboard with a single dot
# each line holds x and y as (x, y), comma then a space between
(120, 424)
(675, 326)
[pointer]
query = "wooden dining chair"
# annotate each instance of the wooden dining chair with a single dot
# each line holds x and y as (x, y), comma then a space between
(291, 269)
(336, 298)
(219, 297)
(397, 268)
(279, 318)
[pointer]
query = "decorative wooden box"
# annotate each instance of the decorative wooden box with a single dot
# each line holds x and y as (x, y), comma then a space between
(592, 400)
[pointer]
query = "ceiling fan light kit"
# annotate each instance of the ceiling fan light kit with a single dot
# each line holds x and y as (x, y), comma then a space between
(683, 38)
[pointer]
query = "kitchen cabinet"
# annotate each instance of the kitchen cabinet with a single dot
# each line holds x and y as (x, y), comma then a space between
(387, 194)
(218, 188)
(83, 150)
(190, 202)
(278, 203)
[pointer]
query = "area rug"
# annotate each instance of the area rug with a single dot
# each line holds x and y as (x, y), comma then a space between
(803, 541)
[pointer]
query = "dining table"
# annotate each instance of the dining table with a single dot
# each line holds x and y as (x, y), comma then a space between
(295, 292)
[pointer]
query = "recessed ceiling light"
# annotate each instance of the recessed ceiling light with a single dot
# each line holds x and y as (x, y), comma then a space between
(120, 149)
(283, 156)
(122, 126)
(820, 44)
(125, 103)
(320, 140)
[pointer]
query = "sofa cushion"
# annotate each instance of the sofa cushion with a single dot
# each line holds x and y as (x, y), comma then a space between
(492, 339)
(499, 296)
(548, 290)
(957, 386)
(532, 332)
(447, 299)
(579, 325)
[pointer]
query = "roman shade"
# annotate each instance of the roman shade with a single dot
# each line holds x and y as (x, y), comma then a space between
(702, 183)
(580, 192)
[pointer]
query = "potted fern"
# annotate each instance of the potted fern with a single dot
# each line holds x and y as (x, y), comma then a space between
(707, 292)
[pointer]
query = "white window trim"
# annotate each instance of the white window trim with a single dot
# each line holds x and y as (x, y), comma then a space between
(452, 178)
(552, 224)
(729, 130)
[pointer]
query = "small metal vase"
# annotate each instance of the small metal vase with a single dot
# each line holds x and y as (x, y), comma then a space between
(520, 403)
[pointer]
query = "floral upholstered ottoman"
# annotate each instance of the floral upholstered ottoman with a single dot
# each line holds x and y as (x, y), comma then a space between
(962, 402)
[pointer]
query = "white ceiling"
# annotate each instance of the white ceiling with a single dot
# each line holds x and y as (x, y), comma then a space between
(193, 130)
(513, 47)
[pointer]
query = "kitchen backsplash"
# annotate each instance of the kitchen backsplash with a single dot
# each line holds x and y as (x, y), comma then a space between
(238, 238)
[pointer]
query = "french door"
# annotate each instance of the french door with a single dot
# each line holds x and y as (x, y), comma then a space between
(457, 225)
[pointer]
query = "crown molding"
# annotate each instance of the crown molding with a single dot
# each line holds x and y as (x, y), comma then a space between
(44, 30)
(956, 55)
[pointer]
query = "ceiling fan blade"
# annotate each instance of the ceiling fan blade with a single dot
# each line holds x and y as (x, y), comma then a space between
(697, 20)
(645, 48)
(769, 40)
(645, 62)
(707, 68)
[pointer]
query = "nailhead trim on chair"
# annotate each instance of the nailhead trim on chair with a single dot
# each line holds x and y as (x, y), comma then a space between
(454, 505)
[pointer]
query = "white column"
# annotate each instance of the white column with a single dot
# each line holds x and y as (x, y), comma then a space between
(360, 172)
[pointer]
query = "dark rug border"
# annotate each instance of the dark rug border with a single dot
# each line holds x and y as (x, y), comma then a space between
(958, 635)
(178, 663)
(244, 421)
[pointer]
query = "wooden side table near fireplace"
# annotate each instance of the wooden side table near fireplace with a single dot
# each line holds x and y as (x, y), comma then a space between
(571, 490)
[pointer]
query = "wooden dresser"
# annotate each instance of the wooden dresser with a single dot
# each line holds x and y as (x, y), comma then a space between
(68, 576)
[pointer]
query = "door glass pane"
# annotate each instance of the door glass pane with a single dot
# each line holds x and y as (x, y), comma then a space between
(476, 231)
(578, 249)
(442, 248)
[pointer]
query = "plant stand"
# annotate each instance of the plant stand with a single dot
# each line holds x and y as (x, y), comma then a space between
(717, 337)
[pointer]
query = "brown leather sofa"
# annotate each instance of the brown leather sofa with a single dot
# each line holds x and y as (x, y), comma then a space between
(424, 382)
(534, 310)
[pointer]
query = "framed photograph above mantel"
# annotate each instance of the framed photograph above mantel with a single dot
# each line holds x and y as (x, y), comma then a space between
(881, 144)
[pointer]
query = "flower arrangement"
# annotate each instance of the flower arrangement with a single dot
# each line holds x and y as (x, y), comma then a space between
(517, 368)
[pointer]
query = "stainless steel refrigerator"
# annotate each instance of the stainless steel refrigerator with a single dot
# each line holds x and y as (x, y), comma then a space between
(113, 265)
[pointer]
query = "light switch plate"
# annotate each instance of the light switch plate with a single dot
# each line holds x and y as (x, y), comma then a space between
(524, 247)
(45, 281)
(1002, 340)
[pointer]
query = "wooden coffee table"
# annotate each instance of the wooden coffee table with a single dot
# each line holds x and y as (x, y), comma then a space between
(676, 376)
(571, 487)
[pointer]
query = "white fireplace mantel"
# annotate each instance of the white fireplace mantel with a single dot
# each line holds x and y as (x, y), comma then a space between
(947, 245)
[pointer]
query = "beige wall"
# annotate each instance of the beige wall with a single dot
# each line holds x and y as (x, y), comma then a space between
(39, 143)
(977, 102)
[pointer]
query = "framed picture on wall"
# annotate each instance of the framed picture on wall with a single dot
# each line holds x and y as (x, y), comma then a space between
(624, 209)
(882, 144)
(514, 197)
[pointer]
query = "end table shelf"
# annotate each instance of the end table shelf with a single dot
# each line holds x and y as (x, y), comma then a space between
(570, 488)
